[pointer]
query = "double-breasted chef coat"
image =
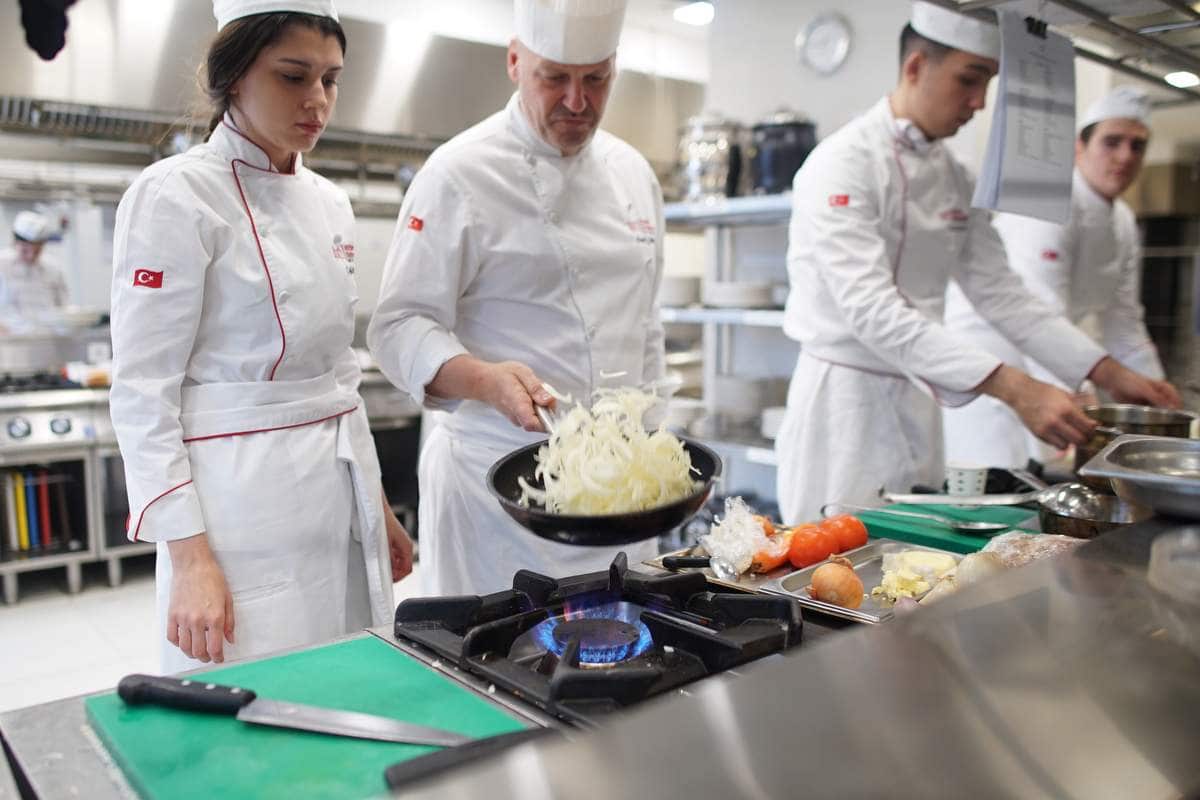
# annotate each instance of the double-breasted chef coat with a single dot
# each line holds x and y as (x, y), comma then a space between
(881, 221)
(1089, 270)
(27, 290)
(507, 250)
(235, 397)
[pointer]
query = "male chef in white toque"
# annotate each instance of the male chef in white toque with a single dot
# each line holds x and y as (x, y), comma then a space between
(528, 249)
(881, 221)
(1087, 269)
(29, 284)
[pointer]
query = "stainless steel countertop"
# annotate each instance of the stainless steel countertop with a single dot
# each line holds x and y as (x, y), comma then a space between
(1058, 680)
(54, 398)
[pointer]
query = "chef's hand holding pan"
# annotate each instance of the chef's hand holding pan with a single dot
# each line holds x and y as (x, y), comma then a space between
(508, 386)
(1127, 386)
(200, 613)
(1046, 410)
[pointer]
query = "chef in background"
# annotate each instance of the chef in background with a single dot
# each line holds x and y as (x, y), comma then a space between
(248, 457)
(1088, 269)
(29, 284)
(881, 221)
(528, 249)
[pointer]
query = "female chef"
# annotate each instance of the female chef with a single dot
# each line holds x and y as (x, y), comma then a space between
(247, 452)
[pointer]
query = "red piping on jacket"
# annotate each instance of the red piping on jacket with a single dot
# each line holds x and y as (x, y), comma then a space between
(262, 257)
(268, 430)
(152, 502)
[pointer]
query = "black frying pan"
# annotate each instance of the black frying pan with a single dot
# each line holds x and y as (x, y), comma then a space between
(609, 529)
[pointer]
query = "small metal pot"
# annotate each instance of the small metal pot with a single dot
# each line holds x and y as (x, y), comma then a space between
(710, 157)
(1079, 511)
(1127, 418)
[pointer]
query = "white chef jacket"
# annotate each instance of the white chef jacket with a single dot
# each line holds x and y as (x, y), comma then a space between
(1088, 270)
(234, 393)
(881, 221)
(26, 290)
(507, 250)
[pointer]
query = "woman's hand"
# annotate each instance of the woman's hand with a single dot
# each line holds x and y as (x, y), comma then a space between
(399, 544)
(200, 613)
(510, 387)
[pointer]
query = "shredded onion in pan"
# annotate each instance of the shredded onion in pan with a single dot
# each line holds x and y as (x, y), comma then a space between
(603, 461)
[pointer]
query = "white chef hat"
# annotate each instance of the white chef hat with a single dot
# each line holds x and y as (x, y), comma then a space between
(570, 31)
(956, 30)
(32, 226)
(1123, 102)
(226, 11)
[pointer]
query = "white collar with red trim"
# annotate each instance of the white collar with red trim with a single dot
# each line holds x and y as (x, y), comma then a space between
(905, 130)
(228, 140)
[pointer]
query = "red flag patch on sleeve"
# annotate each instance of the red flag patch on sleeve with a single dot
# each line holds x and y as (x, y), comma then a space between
(1050, 255)
(415, 223)
(836, 200)
(147, 278)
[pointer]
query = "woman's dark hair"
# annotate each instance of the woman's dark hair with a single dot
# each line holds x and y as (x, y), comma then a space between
(240, 42)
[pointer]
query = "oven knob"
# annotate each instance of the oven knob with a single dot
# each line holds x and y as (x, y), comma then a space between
(60, 425)
(18, 428)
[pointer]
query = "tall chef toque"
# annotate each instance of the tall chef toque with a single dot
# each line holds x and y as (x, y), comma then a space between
(30, 226)
(570, 31)
(226, 11)
(1123, 102)
(955, 30)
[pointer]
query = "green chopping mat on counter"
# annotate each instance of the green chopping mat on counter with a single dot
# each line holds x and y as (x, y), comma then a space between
(185, 754)
(931, 534)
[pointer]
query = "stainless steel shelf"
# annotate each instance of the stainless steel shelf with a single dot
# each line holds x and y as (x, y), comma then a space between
(763, 317)
(766, 209)
(739, 438)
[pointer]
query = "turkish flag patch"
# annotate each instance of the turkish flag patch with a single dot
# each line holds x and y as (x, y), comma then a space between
(1050, 255)
(147, 278)
(415, 223)
(836, 200)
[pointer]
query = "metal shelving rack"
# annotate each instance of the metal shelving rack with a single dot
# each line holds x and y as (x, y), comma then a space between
(720, 219)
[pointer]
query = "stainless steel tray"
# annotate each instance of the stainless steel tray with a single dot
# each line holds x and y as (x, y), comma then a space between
(1161, 472)
(868, 563)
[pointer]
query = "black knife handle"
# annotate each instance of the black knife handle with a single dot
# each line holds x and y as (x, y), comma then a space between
(680, 562)
(191, 694)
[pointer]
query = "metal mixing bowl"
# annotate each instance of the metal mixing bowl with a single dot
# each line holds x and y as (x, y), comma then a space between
(1080, 511)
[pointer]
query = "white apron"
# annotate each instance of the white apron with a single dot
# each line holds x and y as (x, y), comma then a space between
(296, 558)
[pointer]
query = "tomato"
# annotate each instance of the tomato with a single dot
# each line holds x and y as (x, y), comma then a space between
(849, 531)
(774, 555)
(810, 545)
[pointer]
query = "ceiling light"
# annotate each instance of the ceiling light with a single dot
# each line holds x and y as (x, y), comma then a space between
(695, 13)
(1180, 80)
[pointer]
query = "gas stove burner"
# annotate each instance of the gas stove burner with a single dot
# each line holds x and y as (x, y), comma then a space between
(584, 646)
(607, 634)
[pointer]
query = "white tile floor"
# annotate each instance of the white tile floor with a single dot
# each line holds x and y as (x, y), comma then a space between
(54, 644)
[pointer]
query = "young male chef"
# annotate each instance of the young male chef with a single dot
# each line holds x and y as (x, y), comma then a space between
(1087, 269)
(528, 250)
(881, 221)
(29, 284)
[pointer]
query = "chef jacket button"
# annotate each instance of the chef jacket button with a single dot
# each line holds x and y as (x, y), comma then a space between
(284, 294)
(529, 159)
(554, 217)
(591, 333)
(262, 231)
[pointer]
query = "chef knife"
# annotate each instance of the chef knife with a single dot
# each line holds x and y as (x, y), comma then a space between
(200, 695)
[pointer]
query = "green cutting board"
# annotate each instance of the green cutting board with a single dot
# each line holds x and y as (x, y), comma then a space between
(930, 534)
(183, 754)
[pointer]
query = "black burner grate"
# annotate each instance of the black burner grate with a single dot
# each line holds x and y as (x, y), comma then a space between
(564, 644)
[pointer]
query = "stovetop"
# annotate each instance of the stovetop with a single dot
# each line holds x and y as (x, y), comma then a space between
(585, 646)
(37, 382)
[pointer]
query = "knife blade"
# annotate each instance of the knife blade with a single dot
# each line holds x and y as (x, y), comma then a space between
(200, 695)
